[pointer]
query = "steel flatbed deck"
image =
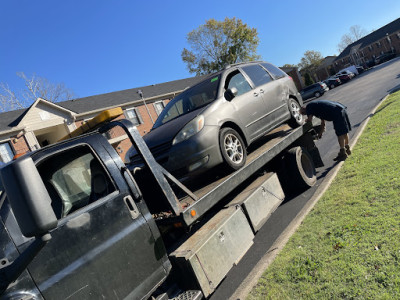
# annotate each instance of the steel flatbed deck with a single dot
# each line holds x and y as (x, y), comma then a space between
(192, 207)
(267, 149)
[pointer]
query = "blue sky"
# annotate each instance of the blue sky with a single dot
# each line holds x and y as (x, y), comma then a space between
(99, 46)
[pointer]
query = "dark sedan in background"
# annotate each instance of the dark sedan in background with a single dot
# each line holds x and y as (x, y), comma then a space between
(332, 82)
(315, 90)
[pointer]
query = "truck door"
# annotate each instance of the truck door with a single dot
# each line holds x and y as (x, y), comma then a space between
(103, 248)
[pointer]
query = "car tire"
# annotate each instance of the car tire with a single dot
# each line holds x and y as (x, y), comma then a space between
(332, 86)
(232, 148)
(296, 118)
(317, 94)
(300, 169)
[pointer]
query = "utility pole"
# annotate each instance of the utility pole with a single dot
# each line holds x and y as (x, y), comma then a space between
(144, 102)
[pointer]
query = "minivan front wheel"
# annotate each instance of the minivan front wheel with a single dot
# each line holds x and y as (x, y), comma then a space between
(232, 148)
(317, 94)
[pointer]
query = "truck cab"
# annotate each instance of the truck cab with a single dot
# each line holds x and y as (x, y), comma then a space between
(97, 221)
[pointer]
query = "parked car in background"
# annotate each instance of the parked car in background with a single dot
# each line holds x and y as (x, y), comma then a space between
(344, 78)
(352, 69)
(314, 90)
(360, 69)
(384, 57)
(332, 82)
(214, 121)
(345, 72)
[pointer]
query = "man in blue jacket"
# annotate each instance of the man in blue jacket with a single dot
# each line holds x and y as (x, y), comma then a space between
(335, 112)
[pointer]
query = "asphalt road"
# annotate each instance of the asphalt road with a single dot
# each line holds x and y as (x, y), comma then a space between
(361, 96)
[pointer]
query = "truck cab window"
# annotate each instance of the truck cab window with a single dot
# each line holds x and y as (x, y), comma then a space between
(74, 178)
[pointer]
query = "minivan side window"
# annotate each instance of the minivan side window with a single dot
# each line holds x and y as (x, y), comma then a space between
(257, 74)
(276, 72)
(74, 179)
(237, 80)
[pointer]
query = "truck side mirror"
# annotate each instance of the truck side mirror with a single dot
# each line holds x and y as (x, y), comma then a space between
(28, 197)
(230, 93)
(31, 205)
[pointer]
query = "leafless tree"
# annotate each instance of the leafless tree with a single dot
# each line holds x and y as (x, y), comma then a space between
(35, 87)
(356, 33)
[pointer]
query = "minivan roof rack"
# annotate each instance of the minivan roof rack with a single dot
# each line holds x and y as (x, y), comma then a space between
(241, 63)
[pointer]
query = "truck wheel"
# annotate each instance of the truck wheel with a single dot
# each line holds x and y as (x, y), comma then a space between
(232, 148)
(300, 170)
(296, 117)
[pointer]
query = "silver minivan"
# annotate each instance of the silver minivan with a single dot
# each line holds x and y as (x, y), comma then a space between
(214, 121)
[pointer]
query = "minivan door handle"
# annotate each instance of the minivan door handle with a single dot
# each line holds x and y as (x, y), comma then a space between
(261, 91)
(133, 210)
(255, 94)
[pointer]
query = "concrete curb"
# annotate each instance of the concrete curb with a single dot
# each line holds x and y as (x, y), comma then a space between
(251, 280)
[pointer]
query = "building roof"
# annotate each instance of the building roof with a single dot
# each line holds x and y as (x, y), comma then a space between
(10, 119)
(327, 61)
(96, 102)
(372, 37)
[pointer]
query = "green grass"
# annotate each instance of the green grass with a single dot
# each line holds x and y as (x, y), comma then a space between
(348, 247)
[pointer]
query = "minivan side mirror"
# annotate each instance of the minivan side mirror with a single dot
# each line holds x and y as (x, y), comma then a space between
(230, 93)
(28, 197)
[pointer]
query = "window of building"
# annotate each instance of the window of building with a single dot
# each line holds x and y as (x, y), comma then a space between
(370, 48)
(134, 116)
(6, 152)
(378, 44)
(398, 35)
(159, 106)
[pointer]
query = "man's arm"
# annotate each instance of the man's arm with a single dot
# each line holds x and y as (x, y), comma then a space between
(322, 129)
(309, 118)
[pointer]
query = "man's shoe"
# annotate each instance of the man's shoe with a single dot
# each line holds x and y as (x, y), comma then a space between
(348, 151)
(341, 156)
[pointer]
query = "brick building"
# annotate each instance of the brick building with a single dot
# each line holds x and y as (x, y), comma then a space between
(326, 69)
(363, 52)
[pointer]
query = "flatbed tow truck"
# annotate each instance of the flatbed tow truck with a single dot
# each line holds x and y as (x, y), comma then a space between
(77, 223)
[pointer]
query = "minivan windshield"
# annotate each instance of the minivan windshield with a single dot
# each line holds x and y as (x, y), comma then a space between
(189, 100)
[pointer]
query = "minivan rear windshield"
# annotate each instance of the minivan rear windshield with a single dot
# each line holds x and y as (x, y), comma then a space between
(193, 98)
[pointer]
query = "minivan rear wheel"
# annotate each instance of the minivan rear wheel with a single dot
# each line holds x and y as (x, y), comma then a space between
(232, 148)
(297, 118)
